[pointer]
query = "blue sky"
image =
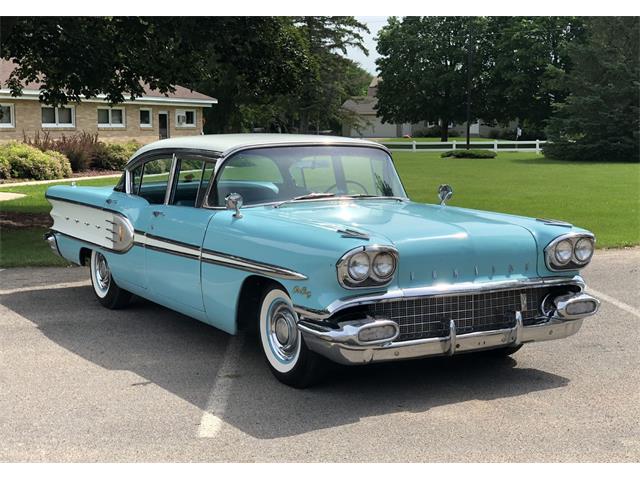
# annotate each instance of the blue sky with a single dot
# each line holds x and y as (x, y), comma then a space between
(368, 63)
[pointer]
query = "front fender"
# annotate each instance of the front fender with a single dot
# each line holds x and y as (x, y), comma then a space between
(309, 250)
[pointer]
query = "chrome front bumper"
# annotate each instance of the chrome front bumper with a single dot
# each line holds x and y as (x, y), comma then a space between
(343, 346)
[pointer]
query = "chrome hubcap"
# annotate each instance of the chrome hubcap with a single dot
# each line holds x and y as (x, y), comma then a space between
(103, 276)
(283, 332)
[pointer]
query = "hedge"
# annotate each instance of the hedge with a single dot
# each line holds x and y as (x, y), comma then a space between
(18, 160)
(463, 153)
(113, 156)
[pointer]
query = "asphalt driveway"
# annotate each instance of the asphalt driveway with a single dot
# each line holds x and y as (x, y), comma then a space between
(81, 383)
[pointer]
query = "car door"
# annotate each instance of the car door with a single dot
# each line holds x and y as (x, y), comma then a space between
(175, 235)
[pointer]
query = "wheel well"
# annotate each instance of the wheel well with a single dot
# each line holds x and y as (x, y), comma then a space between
(249, 300)
(85, 255)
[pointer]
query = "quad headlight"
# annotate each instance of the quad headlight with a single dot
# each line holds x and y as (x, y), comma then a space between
(359, 267)
(570, 251)
(367, 266)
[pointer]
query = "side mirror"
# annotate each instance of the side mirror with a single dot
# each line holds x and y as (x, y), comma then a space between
(233, 201)
(445, 192)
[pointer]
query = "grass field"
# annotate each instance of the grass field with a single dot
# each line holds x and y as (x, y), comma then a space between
(602, 197)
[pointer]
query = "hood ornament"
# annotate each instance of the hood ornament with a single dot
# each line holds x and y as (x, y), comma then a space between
(445, 192)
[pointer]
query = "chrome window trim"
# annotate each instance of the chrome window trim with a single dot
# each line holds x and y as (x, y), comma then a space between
(171, 179)
(444, 290)
(206, 155)
(573, 262)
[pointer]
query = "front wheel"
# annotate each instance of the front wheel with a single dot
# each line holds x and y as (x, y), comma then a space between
(287, 355)
(109, 294)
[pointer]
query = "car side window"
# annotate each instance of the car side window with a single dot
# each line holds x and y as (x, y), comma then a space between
(154, 180)
(192, 180)
(257, 178)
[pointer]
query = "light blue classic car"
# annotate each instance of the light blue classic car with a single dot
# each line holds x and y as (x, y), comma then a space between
(313, 243)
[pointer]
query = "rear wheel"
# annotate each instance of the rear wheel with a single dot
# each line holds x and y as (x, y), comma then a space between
(287, 355)
(109, 294)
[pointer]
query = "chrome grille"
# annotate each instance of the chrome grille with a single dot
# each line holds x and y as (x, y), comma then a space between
(428, 317)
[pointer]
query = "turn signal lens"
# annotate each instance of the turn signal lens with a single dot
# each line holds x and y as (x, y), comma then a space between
(373, 334)
(581, 308)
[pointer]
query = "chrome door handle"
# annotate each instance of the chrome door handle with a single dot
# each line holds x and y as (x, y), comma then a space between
(156, 213)
(110, 201)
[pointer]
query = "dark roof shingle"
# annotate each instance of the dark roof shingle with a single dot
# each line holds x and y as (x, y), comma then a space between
(182, 93)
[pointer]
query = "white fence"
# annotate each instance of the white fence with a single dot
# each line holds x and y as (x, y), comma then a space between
(496, 146)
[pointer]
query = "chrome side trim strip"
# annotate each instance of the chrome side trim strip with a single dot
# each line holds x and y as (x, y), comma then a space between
(119, 252)
(231, 261)
(186, 250)
(445, 290)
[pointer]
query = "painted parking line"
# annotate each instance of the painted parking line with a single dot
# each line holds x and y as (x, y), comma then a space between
(211, 421)
(615, 302)
(83, 283)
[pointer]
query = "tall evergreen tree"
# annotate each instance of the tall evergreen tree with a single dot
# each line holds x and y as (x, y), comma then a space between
(600, 118)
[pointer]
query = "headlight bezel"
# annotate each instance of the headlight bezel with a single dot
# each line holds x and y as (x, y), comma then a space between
(574, 263)
(372, 280)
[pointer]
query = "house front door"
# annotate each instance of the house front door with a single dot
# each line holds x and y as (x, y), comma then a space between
(163, 125)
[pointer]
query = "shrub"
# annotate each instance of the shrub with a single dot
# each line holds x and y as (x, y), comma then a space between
(462, 153)
(79, 148)
(5, 167)
(28, 162)
(65, 165)
(428, 132)
(114, 156)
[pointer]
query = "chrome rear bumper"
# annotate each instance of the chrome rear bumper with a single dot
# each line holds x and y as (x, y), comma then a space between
(342, 346)
(50, 238)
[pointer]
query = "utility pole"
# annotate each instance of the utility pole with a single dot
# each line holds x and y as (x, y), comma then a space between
(469, 62)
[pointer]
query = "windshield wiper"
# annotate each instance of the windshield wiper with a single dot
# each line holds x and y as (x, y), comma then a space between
(366, 195)
(311, 195)
(308, 196)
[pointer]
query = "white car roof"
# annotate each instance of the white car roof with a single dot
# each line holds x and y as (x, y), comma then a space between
(227, 142)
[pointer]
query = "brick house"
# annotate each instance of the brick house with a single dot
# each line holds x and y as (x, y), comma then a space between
(145, 119)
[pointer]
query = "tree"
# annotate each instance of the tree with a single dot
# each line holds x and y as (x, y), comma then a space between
(325, 86)
(600, 118)
(314, 98)
(82, 57)
(527, 56)
(425, 64)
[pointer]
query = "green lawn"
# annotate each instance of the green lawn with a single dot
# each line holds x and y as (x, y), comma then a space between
(25, 246)
(602, 197)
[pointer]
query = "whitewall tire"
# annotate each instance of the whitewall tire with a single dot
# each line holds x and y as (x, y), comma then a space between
(285, 351)
(109, 294)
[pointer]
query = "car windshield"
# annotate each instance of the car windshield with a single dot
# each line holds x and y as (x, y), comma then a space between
(280, 174)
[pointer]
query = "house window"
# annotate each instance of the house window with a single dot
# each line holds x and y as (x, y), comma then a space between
(58, 117)
(111, 117)
(146, 118)
(7, 118)
(185, 118)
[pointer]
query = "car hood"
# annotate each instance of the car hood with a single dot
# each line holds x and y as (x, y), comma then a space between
(436, 244)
